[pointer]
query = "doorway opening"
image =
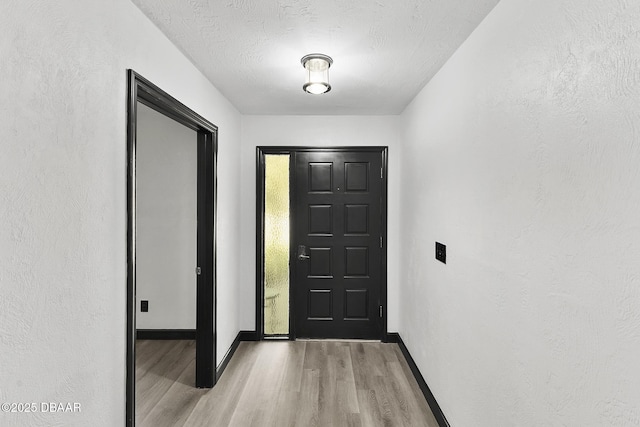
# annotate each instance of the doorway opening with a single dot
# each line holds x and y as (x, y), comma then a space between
(145, 94)
(321, 232)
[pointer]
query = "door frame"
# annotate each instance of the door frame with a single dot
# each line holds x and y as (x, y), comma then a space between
(261, 151)
(142, 90)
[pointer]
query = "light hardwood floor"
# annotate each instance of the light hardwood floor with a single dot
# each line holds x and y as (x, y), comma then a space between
(280, 384)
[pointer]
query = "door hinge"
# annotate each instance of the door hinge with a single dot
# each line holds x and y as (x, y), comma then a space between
(198, 271)
(381, 175)
(380, 311)
(380, 242)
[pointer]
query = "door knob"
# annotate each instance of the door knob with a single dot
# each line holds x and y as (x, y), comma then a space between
(302, 253)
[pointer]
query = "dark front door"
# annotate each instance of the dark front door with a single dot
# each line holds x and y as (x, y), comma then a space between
(338, 244)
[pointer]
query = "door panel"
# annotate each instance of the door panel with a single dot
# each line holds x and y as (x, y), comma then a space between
(337, 230)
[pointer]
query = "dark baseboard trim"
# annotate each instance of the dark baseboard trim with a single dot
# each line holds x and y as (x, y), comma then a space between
(165, 334)
(390, 337)
(248, 336)
(242, 336)
(394, 337)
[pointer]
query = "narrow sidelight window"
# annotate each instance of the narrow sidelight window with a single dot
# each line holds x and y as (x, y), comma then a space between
(276, 245)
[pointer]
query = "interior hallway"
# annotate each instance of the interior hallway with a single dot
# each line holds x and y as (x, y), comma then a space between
(521, 154)
(281, 383)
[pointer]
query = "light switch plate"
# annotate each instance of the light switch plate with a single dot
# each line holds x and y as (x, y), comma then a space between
(441, 252)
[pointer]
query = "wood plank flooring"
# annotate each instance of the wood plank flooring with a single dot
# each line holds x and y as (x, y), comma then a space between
(280, 384)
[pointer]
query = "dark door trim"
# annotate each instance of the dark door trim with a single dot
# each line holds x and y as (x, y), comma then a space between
(261, 151)
(142, 90)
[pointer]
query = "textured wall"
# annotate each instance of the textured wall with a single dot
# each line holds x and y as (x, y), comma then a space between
(63, 199)
(166, 221)
(523, 156)
(318, 131)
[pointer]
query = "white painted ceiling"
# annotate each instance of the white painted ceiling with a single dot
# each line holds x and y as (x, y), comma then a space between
(384, 51)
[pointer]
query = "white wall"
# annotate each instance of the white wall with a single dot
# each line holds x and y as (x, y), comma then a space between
(317, 131)
(63, 199)
(523, 156)
(166, 221)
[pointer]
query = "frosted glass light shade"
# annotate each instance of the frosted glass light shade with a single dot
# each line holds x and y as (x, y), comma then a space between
(317, 68)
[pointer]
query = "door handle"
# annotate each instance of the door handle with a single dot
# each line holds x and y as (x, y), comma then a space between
(302, 253)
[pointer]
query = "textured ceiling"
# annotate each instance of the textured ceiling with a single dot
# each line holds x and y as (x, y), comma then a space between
(384, 52)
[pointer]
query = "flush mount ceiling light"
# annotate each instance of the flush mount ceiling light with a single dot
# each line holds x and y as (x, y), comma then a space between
(317, 66)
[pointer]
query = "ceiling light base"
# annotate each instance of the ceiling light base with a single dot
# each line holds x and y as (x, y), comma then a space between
(317, 67)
